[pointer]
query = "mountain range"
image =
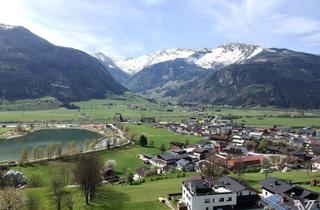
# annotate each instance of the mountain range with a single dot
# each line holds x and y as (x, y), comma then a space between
(232, 74)
(31, 67)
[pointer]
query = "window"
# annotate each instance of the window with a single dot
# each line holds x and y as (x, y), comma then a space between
(207, 208)
(207, 200)
(213, 200)
(229, 199)
(221, 199)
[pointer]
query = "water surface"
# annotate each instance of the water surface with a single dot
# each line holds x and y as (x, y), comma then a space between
(11, 149)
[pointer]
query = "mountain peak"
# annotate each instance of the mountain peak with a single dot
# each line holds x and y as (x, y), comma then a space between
(208, 58)
(7, 27)
(233, 45)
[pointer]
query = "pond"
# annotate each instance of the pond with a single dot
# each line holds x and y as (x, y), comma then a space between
(11, 149)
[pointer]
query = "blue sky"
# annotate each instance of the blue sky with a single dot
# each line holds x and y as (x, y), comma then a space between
(127, 28)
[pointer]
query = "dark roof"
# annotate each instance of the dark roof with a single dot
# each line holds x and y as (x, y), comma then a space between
(276, 185)
(237, 148)
(182, 162)
(200, 151)
(302, 193)
(233, 184)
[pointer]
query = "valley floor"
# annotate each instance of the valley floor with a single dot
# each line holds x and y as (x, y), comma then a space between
(145, 195)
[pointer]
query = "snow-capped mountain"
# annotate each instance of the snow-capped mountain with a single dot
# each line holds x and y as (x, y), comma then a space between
(225, 55)
(208, 58)
(105, 60)
(7, 27)
(134, 65)
(115, 71)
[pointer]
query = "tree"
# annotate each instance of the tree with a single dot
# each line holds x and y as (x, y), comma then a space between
(239, 167)
(72, 148)
(151, 143)
(186, 142)
(19, 128)
(56, 185)
(129, 176)
(87, 175)
(12, 199)
(24, 156)
(212, 168)
(308, 165)
(32, 202)
(68, 201)
(162, 148)
(35, 153)
(121, 118)
(50, 151)
(143, 141)
(263, 145)
(265, 166)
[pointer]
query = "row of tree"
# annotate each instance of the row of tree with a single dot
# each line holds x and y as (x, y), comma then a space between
(53, 151)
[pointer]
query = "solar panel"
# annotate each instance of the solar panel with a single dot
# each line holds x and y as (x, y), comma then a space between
(275, 202)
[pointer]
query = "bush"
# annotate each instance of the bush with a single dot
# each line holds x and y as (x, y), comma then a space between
(253, 169)
(35, 181)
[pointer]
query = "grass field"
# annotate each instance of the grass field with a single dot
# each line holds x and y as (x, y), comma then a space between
(280, 121)
(133, 108)
(145, 196)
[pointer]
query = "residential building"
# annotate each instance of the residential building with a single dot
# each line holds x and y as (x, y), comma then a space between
(199, 193)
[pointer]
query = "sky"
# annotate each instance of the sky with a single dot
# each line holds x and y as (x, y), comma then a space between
(129, 28)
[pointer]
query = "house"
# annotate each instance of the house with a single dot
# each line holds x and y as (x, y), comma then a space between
(199, 193)
(246, 195)
(235, 150)
(15, 177)
(300, 197)
(185, 165)
(199, 153)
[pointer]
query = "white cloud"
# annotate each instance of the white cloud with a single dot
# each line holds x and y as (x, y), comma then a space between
(256, 18)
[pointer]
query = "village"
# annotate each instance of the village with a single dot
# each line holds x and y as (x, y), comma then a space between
(232, 148)
(225, 148)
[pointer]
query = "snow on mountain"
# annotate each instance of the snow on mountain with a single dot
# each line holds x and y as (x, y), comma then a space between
(105, 60)
(208, 58)
(134, 65)
(225, 55)
(6, 27)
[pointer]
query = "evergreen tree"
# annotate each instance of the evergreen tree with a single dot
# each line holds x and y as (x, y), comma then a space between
(143, 141)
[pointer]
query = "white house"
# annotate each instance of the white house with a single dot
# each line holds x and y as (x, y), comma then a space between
(199, 194)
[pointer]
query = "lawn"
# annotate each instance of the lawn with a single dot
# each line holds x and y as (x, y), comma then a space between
(296, 176)
(280, 121)
(145, 196)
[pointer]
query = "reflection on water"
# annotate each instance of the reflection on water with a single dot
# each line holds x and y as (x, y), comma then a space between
(10, 149)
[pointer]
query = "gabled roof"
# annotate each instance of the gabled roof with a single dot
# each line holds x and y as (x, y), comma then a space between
(233, 184)
(276, 186)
